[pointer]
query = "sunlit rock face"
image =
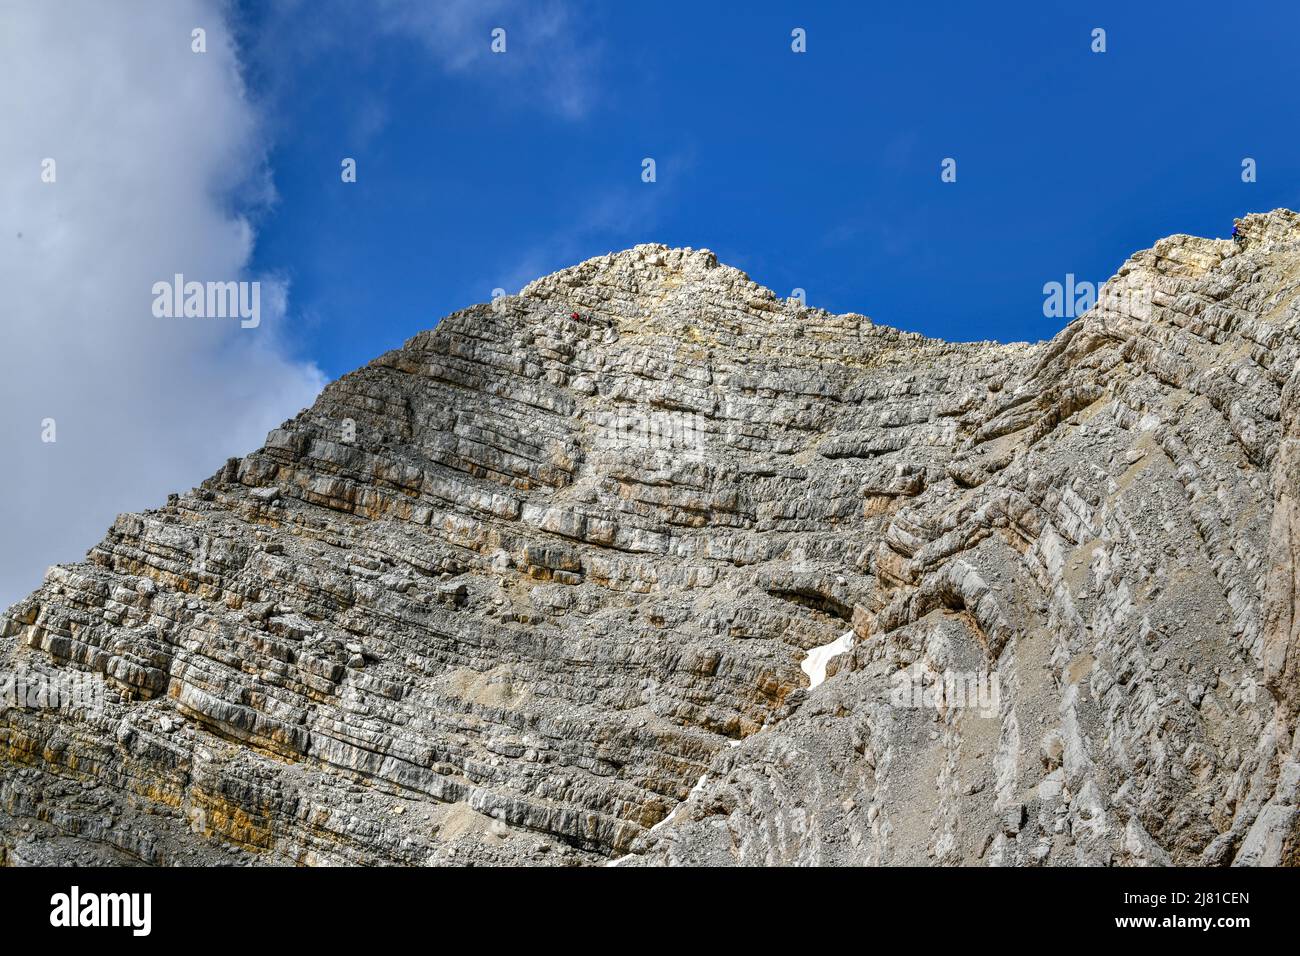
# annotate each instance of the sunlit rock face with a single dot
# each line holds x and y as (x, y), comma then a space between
(536, 588)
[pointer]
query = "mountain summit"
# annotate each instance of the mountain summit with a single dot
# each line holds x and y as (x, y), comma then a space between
(539, 587)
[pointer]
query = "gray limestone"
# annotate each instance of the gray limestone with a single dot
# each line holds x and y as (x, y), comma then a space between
(543, 578)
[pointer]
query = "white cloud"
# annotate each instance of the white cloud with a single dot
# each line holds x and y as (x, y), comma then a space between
(157, 151)
(543, 54)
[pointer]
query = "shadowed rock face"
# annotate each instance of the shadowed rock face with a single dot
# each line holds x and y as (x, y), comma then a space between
(544, 577)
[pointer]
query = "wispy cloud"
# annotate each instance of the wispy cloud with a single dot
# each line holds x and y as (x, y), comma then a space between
(550, 58)
(551, 61)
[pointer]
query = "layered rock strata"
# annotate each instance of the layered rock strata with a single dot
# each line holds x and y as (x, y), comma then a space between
(536, 588)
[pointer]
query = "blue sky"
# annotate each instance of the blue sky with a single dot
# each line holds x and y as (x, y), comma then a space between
(817, 170)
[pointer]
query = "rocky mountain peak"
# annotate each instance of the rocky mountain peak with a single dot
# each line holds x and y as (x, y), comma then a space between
(540, 587)
(649, 265)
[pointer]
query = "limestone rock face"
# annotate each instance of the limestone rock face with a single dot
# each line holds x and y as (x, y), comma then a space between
(537, 587)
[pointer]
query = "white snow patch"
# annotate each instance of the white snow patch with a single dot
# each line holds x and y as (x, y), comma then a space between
(696, 789)
(814, 665)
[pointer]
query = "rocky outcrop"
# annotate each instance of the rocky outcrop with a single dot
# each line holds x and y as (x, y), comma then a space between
(536, 588)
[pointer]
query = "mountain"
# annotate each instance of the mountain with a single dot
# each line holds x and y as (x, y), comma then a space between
(647, 565)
